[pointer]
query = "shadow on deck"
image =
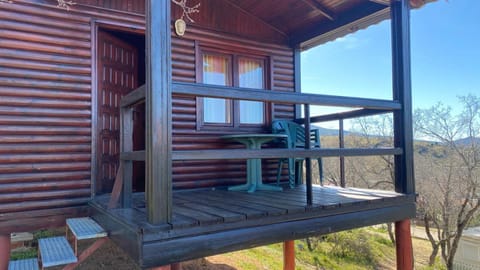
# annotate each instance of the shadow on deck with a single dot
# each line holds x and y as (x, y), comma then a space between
(207, 222)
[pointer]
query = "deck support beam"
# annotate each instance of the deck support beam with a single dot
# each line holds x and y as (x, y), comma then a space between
(4, 251)
(289, 255)
(403, 241)
(158, 139)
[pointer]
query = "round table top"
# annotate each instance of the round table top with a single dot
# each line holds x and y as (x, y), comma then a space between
(253, 140)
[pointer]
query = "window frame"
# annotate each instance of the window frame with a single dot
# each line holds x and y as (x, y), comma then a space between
(233, 56)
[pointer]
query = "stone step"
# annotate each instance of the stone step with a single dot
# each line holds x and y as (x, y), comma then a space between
(85, 228)
(26, 264)
(55, 251)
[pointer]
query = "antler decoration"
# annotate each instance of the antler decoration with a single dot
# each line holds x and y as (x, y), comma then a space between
(65, 4)
(187, 10)
(61, 3)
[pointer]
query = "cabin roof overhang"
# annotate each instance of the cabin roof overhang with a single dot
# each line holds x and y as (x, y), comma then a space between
(301, 24)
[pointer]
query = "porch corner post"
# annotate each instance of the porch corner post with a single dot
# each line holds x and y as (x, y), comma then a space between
(4, 251)
(402, 92)
(402, 123)
(158, 160)
(403, 242)
(289, 255)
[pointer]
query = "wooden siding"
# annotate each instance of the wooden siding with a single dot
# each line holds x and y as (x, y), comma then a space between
(45, 108)
(190, 174)
(46, 111)
(46, 101)
(134, 6)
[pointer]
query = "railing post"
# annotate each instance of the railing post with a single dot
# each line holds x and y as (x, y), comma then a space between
(126, 145)
(308, 160)
(402, 122)
(298, 85)
(158, 160)
(402, 119)
(341, 138)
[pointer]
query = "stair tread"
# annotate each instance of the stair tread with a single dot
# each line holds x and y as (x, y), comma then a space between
(26, 264)
(85, 228)
(56, 251)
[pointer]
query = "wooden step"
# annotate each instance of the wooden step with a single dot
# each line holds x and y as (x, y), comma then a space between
(85, 228)
(27, 264)
(55, 251)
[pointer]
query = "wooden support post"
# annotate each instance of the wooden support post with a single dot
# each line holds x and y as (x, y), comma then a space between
(403, 241)
(402, 122)
(289, 255)
(308, 160)
(175, 266)
(341, 138)
(401, 78)
(158, 160)
(4, 251)
(298, 85)
(165, 267)
(126, 145)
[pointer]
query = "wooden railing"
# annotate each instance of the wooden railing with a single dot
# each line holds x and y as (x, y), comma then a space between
(365, 107)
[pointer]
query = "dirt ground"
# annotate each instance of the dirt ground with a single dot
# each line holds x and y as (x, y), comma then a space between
(109, 256)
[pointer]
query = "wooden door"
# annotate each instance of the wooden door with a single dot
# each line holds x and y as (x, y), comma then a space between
(117, 75)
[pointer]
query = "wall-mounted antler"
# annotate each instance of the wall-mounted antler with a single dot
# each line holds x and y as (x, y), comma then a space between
(187, 10)
(65, 4)
(60, 3)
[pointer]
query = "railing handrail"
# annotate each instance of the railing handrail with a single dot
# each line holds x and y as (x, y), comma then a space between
(282, 153)
(370, 106)
(134, 97)
(268, 153)
(207, 90)
(342, 115)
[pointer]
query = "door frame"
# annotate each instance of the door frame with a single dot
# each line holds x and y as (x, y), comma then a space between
(96, 26)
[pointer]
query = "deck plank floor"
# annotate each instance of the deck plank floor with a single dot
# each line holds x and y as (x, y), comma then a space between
(209, 207)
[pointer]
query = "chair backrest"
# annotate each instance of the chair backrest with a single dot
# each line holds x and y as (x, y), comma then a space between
(295, 133)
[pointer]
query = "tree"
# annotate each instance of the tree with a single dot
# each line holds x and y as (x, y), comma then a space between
(375, 131)
(448, 173)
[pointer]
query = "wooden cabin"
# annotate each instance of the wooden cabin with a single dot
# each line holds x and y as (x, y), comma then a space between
(105, 91)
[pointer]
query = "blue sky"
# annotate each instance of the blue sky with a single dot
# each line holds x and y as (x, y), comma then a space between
(445, 51)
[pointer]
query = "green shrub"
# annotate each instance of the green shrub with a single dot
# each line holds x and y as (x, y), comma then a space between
(24, 254)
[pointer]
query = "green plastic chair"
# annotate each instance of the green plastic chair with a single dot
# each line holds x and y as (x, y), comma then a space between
(296, 139)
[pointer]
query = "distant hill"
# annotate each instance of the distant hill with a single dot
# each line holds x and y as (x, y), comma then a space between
(334, 132)
(330, 131)
(468, 141)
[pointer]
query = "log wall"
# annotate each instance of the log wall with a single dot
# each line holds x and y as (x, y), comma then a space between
(46, 94)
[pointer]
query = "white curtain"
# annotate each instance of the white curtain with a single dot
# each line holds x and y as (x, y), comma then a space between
(215, 71)
(251, 76)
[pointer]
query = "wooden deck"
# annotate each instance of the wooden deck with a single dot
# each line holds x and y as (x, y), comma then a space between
(215, 221)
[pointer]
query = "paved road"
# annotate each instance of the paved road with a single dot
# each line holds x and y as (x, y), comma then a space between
(419, 232)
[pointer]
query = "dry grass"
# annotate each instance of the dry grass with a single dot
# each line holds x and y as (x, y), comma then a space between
(109, 256)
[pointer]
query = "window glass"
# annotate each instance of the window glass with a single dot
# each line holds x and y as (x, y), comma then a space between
(216, 71)
(251, 76)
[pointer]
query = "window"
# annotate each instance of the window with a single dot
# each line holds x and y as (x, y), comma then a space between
(232, 70)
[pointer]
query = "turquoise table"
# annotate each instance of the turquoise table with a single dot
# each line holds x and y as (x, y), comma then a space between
(254, 165)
